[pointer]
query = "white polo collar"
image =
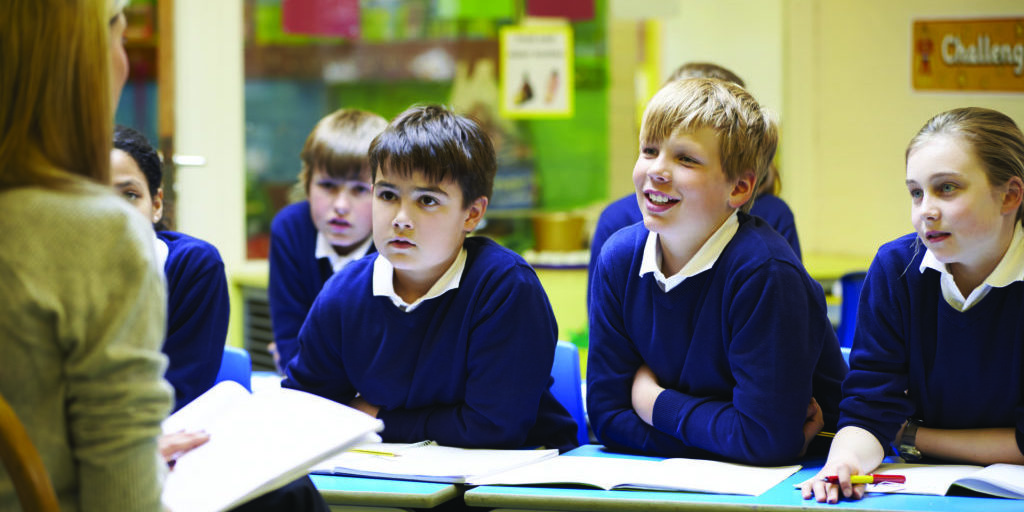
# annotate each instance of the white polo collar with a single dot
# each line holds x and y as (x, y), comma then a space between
(1009, 270)
(704, 259)
(384, 284)
(324, 249)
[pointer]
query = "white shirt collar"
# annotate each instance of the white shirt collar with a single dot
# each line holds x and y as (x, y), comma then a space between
(704, 259)
(1009, 270)
(324, 249)
(161, 253)
(384, 284)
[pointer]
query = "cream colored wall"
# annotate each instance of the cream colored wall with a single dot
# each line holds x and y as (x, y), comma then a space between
(210, 123)
(848, 74)
(838, 72)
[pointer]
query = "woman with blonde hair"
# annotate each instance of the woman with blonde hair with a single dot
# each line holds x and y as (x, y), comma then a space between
(81, 300)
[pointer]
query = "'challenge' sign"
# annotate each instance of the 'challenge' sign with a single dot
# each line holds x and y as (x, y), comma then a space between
(969, 55)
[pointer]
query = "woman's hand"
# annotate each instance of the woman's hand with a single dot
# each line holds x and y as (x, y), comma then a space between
(176, 444)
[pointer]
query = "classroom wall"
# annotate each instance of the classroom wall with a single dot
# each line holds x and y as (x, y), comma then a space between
(859, 110)
(838, 73)
(210, 123)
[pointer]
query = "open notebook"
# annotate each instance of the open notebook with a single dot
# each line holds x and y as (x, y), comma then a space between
(694, 475)
(427, 461)
(257, 443)
(1000, 480)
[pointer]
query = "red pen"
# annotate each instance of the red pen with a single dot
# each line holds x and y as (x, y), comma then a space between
(868, 479)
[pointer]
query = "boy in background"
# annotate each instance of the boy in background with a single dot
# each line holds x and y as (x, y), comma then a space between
(707, 337)
(312, 239)
(441, 336)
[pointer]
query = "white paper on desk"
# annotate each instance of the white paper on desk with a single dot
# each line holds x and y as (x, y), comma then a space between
(429, 462)
(257, 443)
(693, 475)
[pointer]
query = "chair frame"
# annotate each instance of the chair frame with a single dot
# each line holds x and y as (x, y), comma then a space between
(24, 465)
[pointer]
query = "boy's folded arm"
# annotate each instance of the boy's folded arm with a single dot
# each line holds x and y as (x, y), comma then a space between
(773, 353)
(512, 347)
(611, 366)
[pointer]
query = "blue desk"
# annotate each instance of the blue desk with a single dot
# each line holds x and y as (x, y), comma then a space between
(354, 493)
(783, 497)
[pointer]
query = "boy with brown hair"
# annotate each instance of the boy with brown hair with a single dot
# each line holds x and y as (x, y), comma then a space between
(441, 336)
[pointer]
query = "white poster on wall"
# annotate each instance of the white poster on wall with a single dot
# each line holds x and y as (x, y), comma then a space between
(537, 71)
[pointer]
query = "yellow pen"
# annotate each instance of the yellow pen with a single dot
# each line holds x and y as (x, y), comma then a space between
(868, 479)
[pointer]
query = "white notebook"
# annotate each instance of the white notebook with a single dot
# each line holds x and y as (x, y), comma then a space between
(257, 443)
(693, 475)
(427, 461)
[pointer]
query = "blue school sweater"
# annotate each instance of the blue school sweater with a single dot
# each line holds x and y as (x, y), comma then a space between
(959, 370)
(625, 211)
(468, 368)
(197, 315)
(296, 275)
(740, 349)
(777, 214)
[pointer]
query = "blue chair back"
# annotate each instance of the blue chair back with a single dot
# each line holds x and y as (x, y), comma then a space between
(237, 366)
(851, 284)
(567, 387)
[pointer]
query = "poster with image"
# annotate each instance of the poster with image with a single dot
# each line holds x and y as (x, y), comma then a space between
(537, 71)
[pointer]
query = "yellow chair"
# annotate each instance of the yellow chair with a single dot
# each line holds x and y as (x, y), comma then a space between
(24, 466)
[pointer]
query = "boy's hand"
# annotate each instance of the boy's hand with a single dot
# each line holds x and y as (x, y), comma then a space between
(813, 424)
(359, 404)
(645, 392)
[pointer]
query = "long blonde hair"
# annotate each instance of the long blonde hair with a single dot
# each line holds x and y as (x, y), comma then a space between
(56, 120)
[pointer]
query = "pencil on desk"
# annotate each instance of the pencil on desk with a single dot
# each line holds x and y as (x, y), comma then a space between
(374, 452)
(395, 453)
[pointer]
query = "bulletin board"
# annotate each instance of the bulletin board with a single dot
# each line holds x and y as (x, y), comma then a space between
(968, 54)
